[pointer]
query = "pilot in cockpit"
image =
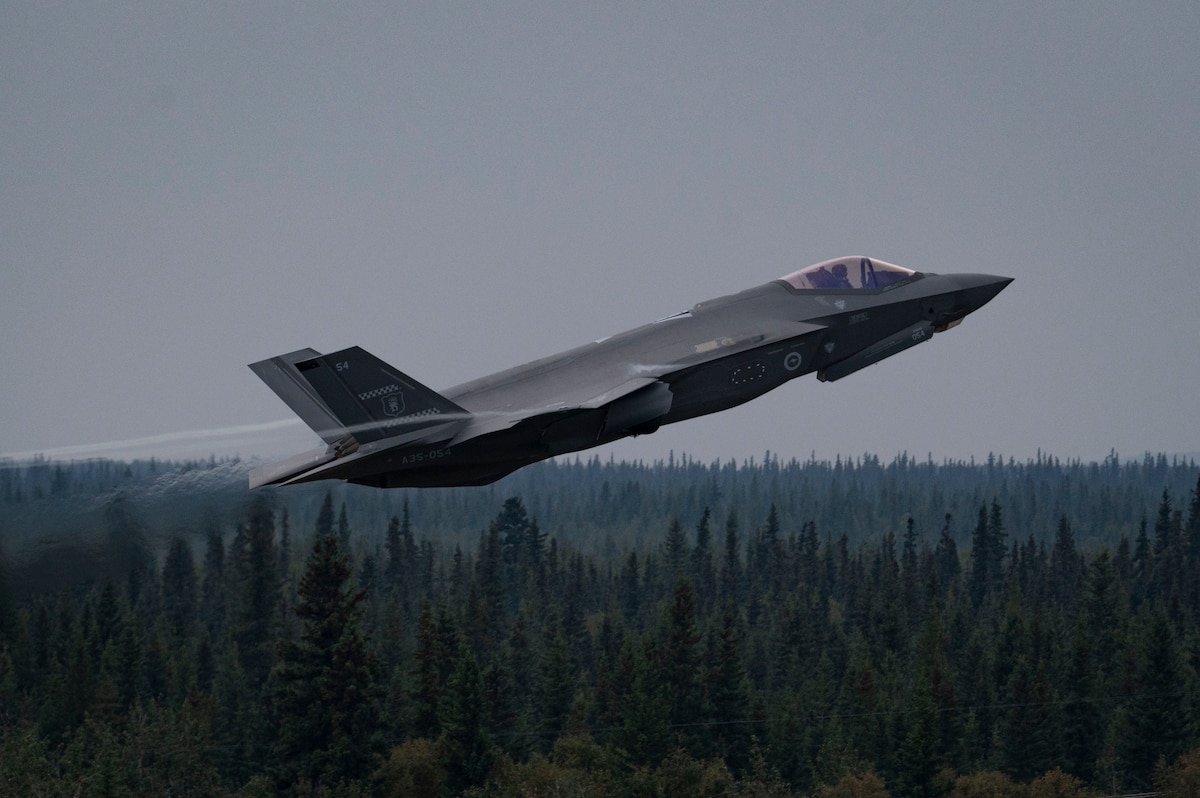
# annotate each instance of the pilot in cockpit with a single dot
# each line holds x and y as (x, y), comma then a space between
(839, 277)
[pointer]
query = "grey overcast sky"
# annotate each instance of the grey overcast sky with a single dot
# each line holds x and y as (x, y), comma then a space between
(459, 188)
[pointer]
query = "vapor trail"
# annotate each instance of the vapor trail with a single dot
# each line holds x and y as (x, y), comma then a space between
(151, 442)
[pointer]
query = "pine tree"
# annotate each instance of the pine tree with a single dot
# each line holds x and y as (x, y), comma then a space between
(1065, 566)
(702, 560)
(326, 702)
(466, 748)
(731, 565)
(555, 682)
(675, 550)
(212, 587)
(1081, 717)
(910, 585)
(256, 589)
(179, 588)
(678, 664)
(1028, 735)
(1191, 541)
(1105, 610)
(325, 517)
(1160, 711)
(946, 556)
(629, 589)
(427, 678)
(728, 701)
(344, 530)
(644, 731)
(988, 549)
(393, 570)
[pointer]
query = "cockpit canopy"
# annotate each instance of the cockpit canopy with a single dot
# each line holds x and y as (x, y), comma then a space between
(848, 273)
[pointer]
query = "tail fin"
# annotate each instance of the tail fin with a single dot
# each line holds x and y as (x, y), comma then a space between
(353, 393)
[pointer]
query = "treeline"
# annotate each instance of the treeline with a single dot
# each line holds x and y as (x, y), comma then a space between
(602, 507)
(730, 653)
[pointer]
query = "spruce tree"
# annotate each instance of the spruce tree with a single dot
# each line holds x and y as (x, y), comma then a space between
(325, 699)
(466, 747)
(728, 700)
(675, 550)
(1160, 718)
(678, 665)
(254, 569)
(1081, 718)
(426, 676)
(179, 588)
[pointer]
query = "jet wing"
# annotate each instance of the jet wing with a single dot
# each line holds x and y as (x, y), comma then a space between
(599, 374)
(487, 423)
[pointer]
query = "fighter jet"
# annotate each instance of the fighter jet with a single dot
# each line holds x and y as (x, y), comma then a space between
(383, 428)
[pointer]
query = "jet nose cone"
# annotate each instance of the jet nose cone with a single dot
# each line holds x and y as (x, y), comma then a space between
(976, 290)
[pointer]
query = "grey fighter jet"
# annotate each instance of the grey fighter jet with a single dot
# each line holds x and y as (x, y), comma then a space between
(385, 429)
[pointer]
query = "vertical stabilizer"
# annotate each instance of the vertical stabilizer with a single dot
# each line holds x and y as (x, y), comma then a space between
(282, 377)
(372, 399)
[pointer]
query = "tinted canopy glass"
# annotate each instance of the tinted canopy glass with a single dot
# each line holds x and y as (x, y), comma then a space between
(848, 273)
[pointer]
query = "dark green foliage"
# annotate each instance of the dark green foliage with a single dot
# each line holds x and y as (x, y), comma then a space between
(466, 746)
(1081, 733)
(253, 570)
(1160, 718)
(179, 589)
(677, 666)
(830, 633)
(729, 717)
(427, 677)
(324, 699)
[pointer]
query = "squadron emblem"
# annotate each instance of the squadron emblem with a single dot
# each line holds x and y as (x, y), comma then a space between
(393, 404)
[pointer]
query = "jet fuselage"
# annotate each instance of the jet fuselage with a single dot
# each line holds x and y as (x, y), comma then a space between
(719, 354)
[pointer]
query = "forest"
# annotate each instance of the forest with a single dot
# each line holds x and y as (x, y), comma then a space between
(589, 628)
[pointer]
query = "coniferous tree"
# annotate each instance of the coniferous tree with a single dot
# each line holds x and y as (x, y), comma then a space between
(729, 705)
(1143, 566)
(1191, 538)
(1081, 716)
(675, 550)
(427, 677)
(702, 560)
(179, 588)
(917, 759)
(678, 665)
(946, 556)
(938, 679)
(1065, 566)
(910, 589)
(1160, 721)
(212, 593)
(466, 748)
(630, 592)
(731, 565)
(393, 570)
(555, 682)
(344, 528)
(1028, 734)
(256, 588)
(325, 517)
(644, 732)
(988, 549)
(326, 702)
(1105, 608)
(285, 547)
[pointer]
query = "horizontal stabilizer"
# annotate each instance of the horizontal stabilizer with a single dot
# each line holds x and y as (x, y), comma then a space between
(284, 470)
